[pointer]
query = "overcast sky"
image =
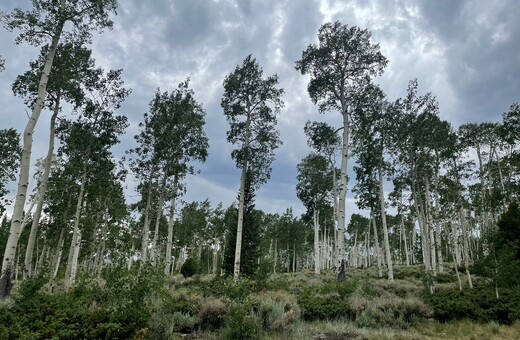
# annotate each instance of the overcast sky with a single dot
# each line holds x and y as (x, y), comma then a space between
(466, 52)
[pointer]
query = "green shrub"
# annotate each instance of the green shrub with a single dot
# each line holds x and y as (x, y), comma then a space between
(212, 314)
(322, 307)
(183, 323)
(478, 304)
(347, 288)
(190, 267)
(240, 325)
(276, 311)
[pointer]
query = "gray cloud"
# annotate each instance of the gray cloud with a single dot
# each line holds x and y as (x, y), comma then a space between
(465, 52)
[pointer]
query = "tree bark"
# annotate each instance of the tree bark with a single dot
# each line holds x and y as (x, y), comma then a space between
(385, 229)
(316, 242)
(42, 189)
(376, 242)
(343, 185)
(146, 226)
(70, 274)
(171, 220)
(466, 245)
(153, 251)
(240, 223)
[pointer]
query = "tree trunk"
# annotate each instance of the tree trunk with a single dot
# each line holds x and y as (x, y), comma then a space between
(376, 242)
(146, 225)
(316, 242)
(171, 220)
(70, 274)
(343, 186)
(57, 260)
(335, 255)
(101, 253)
(466, 245)
(25, 165)
(240, 223)
(153, 251)
(385, 229)
(430, 231)
(42, 189)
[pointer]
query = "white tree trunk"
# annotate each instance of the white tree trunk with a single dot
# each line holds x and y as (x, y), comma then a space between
(465, 235)
(316, 242)
(376, 242)
(171, 220)
(240, 223)
(153, 252)
(42, 189)
(57, 260)
(146, 225)
(343, 186)
(385, 229)
(25, 165)
(70, 273)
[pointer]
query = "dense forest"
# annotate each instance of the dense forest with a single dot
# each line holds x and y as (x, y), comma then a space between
(440, 202)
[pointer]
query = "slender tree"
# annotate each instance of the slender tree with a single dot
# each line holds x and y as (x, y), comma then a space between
(46, 21)
(338, 64)
(250, 104)
(73, 67)
(314, 189)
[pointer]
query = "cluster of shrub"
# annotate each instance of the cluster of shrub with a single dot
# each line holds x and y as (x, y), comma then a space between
(143, 303)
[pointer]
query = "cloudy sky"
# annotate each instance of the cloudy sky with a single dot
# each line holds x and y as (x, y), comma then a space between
(466, 52)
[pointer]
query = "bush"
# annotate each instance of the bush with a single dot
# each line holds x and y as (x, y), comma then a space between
(212, 314)
(276, 311)
(240, 325)
(190, 267)
(323, 307)
(479, 304)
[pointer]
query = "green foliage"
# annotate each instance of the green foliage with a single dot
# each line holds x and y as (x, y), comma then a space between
(212, 314)
(190, 267)
(276, 310)
(502, 261)
(116, 308)
(250, 103)
(479, 304)
(347, 288)
(322, 307)
(9, 160)
(241, 325)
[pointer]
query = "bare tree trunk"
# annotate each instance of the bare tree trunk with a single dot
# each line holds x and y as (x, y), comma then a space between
(153, 251)
(42, 189)
(101, 253)
(335, 252)
(57, 260)
(385, 229)
(376, 242)
(316, 242)
(343, 186)
(429, 226)
(466, 245)
(70, 274)
(41, 258)
(240, 223)
(171, 220)
(405, 241)
(146, 226)
(25, 165)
